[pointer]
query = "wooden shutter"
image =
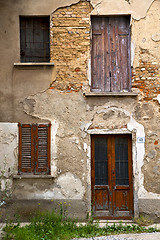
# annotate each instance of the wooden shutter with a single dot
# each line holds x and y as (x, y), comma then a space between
(124, 57)
(97, 54)
(43, 148)
(100, 55)
(111, 54)
(34, 148)
(26, 148)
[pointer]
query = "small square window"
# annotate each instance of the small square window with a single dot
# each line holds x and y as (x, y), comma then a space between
(34, 39)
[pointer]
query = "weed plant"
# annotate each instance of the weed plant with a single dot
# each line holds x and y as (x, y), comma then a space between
(143, 220)
(57, 226)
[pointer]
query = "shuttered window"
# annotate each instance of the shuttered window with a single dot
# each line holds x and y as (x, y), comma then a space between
(111, 67)
(34, 148)
(34, 39)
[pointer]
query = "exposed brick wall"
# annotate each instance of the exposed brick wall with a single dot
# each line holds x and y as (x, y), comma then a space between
(146, 78)
(70, 45)
(70, 51)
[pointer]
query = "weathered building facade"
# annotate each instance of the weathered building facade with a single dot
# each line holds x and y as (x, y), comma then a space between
(79, 112)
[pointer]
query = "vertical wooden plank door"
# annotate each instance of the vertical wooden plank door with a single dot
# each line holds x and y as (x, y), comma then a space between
(111, 176)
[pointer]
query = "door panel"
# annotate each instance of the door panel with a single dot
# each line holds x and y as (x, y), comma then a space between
(102, 199)
(112, 187)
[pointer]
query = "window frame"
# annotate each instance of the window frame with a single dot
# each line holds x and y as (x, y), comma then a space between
(36, 30)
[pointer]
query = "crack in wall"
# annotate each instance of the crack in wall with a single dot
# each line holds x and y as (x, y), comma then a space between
(122, 7)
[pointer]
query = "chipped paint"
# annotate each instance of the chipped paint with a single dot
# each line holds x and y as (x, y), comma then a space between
(54, 129)
(157, 98)
(71, 186)
(8, 146)
(156, 37)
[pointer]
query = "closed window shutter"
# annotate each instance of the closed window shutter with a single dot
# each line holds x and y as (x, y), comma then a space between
(100, 54)
(26, 148)
(34, 148)
(43, 149)
(97, 55)
(124, 53)
(110, 62)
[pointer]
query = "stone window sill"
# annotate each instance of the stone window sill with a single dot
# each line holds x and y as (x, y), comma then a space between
(110, 94)
(32, 66)
(30, 176)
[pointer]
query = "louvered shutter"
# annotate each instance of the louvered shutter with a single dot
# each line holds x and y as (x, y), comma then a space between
(43, 148)
(34, 148)
(26, 148)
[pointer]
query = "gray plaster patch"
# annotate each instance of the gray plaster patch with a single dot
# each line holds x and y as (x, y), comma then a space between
(29, 105)
(156, 170)
(152, 154)
(71, 186)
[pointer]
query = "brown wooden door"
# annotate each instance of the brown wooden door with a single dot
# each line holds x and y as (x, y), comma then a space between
(111, 176)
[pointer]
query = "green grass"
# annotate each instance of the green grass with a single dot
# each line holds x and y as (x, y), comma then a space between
(54, 226)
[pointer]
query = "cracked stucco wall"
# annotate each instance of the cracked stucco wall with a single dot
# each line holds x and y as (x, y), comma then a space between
(28, 97)
(104, 116)
(138, 9)
(8, 154)
(9, 145)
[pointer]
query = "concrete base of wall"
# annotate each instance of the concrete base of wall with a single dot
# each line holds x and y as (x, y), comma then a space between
(150, 207)
(24, 210)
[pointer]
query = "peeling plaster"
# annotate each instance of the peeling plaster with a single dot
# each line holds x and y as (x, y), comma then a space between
(54, 128)
(71, 186)
(67, 3)
(66, 186)
(85, 147)
(8, 146)
(158, 98)
(55, 193)
(85, 126)
(112, 7)
(138, 162)
(133, 48)
(156, 37)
